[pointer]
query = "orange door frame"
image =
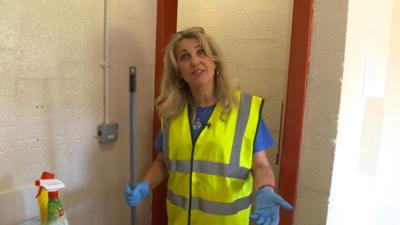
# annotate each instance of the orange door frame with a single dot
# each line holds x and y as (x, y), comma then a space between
(296, 88)
(166, 25)
(294, 105)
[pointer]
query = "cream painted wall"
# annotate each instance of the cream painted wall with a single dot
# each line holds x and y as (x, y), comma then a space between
(51, 101)
(254, 37)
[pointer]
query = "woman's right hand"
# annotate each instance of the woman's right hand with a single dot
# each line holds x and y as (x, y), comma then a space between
(135, 195)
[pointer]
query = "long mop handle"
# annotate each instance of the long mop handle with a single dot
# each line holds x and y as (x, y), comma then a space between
(132, 91)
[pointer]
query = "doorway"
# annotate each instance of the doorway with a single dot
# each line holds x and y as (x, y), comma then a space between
(294, 95)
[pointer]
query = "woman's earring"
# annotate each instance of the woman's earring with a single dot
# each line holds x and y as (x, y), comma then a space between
(180, 83)
(217, 73)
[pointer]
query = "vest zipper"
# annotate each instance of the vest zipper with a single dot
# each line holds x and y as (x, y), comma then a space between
(190, 185)
(191, 161)
(191, 173)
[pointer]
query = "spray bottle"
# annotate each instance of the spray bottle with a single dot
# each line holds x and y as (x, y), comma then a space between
(54, 209)
(42, 196)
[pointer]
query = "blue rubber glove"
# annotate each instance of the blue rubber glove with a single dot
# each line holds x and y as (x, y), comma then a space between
(135, 195)
(267, 207)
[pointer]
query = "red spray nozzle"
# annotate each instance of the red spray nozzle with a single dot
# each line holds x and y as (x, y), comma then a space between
(45, 176)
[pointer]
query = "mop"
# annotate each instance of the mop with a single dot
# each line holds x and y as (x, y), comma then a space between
(132, 90)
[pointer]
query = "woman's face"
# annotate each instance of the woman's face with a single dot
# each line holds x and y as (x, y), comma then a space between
(196, 67)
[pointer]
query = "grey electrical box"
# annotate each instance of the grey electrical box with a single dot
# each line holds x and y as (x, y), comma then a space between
(107, 132)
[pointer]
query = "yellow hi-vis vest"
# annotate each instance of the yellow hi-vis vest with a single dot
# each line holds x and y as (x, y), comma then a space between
(210, 182)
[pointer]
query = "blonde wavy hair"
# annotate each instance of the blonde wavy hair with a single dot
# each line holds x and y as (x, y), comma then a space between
(174, 93)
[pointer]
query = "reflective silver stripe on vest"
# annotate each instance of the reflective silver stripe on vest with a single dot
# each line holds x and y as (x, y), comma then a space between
(232, 169)
(210, 206)
(243, 117)
(206, 167)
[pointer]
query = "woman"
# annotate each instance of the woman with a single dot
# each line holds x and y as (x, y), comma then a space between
(212, 142)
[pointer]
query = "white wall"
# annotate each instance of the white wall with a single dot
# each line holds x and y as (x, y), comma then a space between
(51, 101)
(254, 37)
(364, 185)
(344, 34)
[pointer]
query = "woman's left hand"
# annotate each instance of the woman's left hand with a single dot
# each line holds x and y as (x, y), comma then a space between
(267, 207)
